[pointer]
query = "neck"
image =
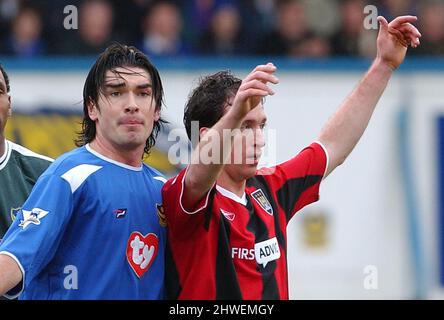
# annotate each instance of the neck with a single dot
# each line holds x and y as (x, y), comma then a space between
(131, 157)
(2, 145)
(233, 185)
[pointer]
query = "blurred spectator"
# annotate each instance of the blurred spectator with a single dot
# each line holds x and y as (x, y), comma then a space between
(298, 28)
(54, 32)
(312, 46)
(291, 36)
(8, 10)
(431, 25)
(352, 39)
(95, 29)
(133, 12)
(25, 39)
(162, 27)
(224, 36)
(322, 16)
(257, 17)
(266, 10)
(197, 17)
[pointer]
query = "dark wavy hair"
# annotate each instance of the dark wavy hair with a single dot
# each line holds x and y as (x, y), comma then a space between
(208, 101)
(5, 75)
(115, 56)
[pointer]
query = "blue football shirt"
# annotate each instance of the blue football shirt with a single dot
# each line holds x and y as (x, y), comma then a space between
(92, 228)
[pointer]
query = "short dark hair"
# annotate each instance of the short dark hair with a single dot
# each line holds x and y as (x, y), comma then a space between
(208, 101)
(115, 56)
(5, 75)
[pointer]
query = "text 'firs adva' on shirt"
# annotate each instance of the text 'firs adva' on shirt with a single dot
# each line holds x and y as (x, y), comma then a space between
(231, 247)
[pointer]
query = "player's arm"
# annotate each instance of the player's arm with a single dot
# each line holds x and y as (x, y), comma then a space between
(10, 274)
(201, 176)
(345, 128)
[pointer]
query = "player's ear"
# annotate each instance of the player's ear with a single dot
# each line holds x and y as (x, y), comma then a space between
(9, 106)
(156, 115)
(92, 110)
(203, 131)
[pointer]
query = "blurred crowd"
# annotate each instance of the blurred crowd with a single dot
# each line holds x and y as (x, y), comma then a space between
(292, 28)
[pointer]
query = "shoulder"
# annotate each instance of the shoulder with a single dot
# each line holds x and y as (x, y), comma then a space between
(74, 167)
(156, 175)
(313, 156)
(29, 162)
(25, 152)
(74, 160)
(174, 184)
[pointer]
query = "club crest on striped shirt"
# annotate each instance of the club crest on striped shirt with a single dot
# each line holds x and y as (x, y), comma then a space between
(229, 215)
(262, 200)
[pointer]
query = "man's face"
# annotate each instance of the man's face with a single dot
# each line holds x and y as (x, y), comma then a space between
(5, 105)
(126, 113)
(247, 146)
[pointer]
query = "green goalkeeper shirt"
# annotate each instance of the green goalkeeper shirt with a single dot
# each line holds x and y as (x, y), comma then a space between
(19, 170)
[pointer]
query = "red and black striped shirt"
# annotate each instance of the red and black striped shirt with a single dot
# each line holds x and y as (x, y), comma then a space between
(233, 248)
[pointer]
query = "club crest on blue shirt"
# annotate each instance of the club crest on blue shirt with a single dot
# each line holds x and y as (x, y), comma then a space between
(120, 213)
(161, 215)
(262, 200)
(32, 216)
(14, 213)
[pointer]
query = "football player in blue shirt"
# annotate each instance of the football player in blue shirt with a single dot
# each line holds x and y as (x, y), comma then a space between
(92, 227)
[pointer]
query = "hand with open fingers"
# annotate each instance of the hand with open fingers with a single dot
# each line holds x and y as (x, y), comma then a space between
(394, 39)
(253, 88)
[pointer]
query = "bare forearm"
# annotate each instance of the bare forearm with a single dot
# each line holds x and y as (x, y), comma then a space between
(345, 128)
(210, 155)
(10, 274)
(214, 149)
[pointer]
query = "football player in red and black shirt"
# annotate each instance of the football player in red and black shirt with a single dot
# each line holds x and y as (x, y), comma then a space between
(227, 220)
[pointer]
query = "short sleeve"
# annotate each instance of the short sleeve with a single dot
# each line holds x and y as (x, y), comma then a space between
(296, 182)
(34, 236)
(176, 213)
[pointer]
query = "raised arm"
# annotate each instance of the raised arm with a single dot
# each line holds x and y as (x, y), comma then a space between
(202, 175)
(343, 131)
(10, 274)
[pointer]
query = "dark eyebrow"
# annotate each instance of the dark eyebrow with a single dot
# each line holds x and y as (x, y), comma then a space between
(115, 85)
(123, 84)
(2, 86)
(145, 86)
(248, 121)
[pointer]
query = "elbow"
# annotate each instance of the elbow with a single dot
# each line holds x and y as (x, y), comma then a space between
(193, 182)
(334, 163)
(340, 160)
